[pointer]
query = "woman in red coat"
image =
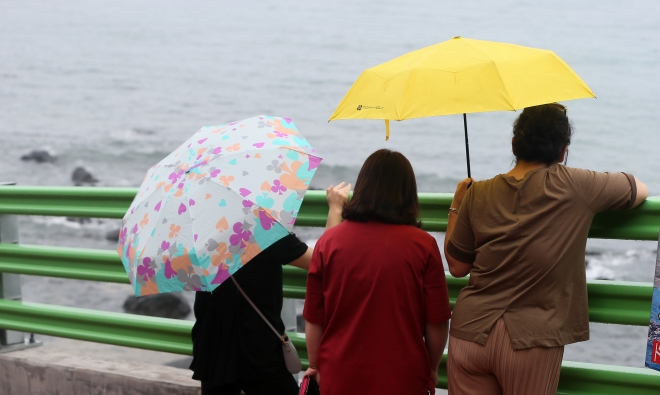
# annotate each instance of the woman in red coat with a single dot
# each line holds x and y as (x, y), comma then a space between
(377, 304)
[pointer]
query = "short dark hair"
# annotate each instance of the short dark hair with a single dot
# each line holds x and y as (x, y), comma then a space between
(385, 191)
(540, 133)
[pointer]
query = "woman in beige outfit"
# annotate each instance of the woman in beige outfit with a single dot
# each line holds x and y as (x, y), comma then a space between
(522, 237)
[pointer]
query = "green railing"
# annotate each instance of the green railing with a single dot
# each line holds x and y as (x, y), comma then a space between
(611, 302)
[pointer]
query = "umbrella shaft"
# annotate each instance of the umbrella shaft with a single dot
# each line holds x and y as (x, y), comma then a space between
(467, 146)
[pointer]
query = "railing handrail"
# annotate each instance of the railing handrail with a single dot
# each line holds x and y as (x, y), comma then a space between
(641, 223)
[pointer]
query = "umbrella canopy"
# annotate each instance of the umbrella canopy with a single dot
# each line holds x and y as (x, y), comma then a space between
(461, 76)
(213, 204)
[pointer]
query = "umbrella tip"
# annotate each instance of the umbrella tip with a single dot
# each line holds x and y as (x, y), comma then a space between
(455, 37)
(387, 129)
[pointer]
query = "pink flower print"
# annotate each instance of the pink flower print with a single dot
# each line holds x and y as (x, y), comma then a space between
(181, 185)
(122, 235)
(247, 205)
(135, 228)
(169, 272)
(201, 141)
(282, 135)
(174, 176)
(216, 150)
(239, 234)
(278, 187)
(266, 220)
(214, 173)
(164, 245)
(314, 162)
(145, 269)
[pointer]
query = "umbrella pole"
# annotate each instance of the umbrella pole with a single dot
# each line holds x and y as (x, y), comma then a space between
(467, 146)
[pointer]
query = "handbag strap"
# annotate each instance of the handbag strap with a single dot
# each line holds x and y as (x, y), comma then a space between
(283, 338)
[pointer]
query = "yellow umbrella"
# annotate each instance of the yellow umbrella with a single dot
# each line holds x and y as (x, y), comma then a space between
(460, 76)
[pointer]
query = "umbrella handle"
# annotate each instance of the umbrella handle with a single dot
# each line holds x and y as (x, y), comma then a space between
(467, 146)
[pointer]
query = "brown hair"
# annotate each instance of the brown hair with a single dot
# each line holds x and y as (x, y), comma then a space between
(385, 191)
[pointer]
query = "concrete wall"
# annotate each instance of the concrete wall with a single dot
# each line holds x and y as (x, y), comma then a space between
(38, 371)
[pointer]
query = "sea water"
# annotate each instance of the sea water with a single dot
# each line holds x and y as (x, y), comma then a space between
(116, 85)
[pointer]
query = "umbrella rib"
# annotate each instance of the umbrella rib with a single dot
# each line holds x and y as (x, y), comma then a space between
(257, 150)
(508, 95)
(287, 147)
(405, 94)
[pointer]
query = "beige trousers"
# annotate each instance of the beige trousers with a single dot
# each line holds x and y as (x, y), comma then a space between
(496, 369)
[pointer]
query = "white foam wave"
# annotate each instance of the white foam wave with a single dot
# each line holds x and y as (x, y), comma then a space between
(75, 223)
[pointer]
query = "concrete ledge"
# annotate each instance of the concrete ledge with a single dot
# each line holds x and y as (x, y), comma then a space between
(39, 371)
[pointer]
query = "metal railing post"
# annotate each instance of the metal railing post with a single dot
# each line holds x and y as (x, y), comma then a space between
(289, 315)
(10, 285)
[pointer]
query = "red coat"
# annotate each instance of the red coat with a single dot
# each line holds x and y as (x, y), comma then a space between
(373, 287)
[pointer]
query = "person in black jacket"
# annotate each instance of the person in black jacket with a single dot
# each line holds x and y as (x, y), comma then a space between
(233, 348)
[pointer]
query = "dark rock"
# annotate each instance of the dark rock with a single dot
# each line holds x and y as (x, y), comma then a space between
(80, 220)
(168, 305)
(300, 324)
(145, 132)
(113, 235)
(82, 176)
(39, 156)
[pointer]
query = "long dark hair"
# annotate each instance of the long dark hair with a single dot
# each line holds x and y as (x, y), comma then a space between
(385, 191)
(540, 133)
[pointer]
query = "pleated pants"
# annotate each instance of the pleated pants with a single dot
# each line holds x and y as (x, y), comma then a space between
(496, 369)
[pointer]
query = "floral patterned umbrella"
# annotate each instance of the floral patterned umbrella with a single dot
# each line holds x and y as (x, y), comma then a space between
(212, 205)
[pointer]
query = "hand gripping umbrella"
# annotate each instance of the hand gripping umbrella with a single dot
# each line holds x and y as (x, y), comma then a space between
(460, 76)
(212, 205)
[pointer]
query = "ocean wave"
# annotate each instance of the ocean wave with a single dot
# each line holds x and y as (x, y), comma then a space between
(74, 222)
(627, 265)
(333, 175)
